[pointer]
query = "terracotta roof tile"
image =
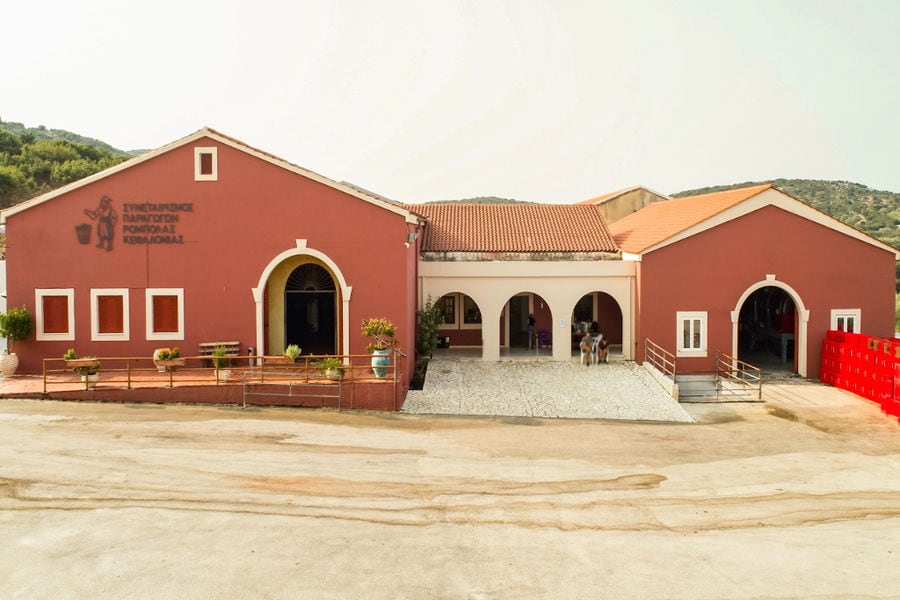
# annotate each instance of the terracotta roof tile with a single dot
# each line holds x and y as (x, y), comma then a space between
(525, 227)
(660, 221)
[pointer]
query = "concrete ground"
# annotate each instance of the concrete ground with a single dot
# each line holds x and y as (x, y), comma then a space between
(797, 497)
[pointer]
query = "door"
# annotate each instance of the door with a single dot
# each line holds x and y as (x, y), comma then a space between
(310, 310)
(518, 322)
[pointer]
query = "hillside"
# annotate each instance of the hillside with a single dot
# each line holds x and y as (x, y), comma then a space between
(36, 160)
(42, 133)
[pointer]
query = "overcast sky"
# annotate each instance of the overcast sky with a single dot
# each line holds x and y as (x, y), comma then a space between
(546, 101)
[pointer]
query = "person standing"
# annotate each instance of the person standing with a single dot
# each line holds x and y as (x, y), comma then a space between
(531, 338)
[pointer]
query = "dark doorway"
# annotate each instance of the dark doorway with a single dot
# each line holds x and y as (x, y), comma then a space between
(518, 322)
(310, 310)
(766, 330)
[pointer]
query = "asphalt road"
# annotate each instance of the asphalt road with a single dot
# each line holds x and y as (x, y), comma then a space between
(795, 498)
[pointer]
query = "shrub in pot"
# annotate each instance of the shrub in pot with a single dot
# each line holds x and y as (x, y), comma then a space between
(15, 325)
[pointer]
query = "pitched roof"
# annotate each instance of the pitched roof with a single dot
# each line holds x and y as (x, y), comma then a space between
(613, 195)
(210, 133)
(521, 227)
(660, 221)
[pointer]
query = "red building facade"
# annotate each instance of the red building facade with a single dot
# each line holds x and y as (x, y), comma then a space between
(748, 269)
(208, 239)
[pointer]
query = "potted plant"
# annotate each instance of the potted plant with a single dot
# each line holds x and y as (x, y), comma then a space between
(88, 367)
(289, 356)
(383, 333)
(221, 363)
(15, 325)
(331, 367)
(167, 359)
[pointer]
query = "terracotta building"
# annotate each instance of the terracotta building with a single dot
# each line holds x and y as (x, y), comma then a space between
(209, 239)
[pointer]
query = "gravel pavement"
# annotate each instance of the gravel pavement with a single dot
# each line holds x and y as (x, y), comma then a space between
(620, 390)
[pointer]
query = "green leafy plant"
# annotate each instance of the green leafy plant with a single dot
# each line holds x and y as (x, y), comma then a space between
(330, 363)
(382, 332)
(219, 352)
(292, 351)
(427, 321)
(15, 325)
(91, 365)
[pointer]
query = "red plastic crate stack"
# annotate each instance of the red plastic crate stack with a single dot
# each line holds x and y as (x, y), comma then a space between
(865, 365)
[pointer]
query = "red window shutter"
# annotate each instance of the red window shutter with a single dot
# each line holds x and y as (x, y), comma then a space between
(206, 163)
(56, 314)
(110, 314)
(165, 314)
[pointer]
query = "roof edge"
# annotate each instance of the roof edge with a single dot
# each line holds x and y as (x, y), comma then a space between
(208, 132)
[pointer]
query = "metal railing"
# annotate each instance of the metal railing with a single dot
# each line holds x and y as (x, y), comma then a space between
(140, 371)
(736, 378)
(659, 358)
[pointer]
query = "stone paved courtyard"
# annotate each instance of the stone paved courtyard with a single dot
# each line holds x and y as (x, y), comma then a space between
(620, 390)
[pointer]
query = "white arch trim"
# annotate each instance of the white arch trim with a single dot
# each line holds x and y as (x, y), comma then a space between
(302, 250)
(800, 345)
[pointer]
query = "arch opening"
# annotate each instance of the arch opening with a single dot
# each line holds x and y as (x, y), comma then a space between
(310, 310)
(767, 330)
(526, 325)
(599, 311)
(461, 321)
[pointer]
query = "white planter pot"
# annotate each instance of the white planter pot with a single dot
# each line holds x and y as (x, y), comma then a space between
(90, 380)
(8, 364)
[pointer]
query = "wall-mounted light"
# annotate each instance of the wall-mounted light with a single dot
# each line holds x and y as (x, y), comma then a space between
(410, 238)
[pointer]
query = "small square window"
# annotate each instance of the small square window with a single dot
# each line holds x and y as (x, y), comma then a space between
(846, 319)
(206, 164)
(691, 333)
(109, 315)
(54, 314)
(165, 314)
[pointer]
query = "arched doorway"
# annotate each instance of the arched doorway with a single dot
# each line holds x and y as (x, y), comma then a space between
(310, 310)
(767, 330)
(602, 308)
(460, 325)
(526, 323)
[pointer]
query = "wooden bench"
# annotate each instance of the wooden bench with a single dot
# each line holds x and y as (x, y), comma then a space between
(207, 348)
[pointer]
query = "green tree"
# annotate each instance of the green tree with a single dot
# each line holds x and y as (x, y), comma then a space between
(427, 322)
(14, 185)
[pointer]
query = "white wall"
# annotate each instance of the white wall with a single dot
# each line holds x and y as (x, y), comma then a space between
(561, 284)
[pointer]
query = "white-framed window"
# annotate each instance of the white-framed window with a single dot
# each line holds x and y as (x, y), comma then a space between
(165, 314)
(54, 314)
(691, 333)
(846, 319)
(206, 164)
(109, 314)
(459, 311)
